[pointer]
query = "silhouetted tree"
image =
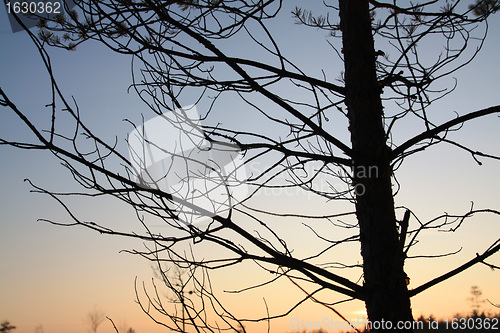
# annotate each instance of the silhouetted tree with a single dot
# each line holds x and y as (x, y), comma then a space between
(94, 319)
(476, 299)
(124, 328)
(6, 327)
(182, 50)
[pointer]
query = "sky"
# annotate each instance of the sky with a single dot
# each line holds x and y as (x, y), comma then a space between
(53, 276)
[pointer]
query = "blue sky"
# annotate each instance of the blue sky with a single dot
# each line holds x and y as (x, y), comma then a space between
(53, 276)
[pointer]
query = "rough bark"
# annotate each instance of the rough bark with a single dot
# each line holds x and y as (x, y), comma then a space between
(387, 298)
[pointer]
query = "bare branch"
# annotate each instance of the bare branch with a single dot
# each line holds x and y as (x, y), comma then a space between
(478, 259)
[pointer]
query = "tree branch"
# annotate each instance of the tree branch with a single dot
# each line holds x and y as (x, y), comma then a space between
(433, 132)
(477, 259)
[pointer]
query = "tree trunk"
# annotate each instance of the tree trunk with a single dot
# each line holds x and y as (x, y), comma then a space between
(387, 298)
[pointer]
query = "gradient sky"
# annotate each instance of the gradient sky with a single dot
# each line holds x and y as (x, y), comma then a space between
(53, 276)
